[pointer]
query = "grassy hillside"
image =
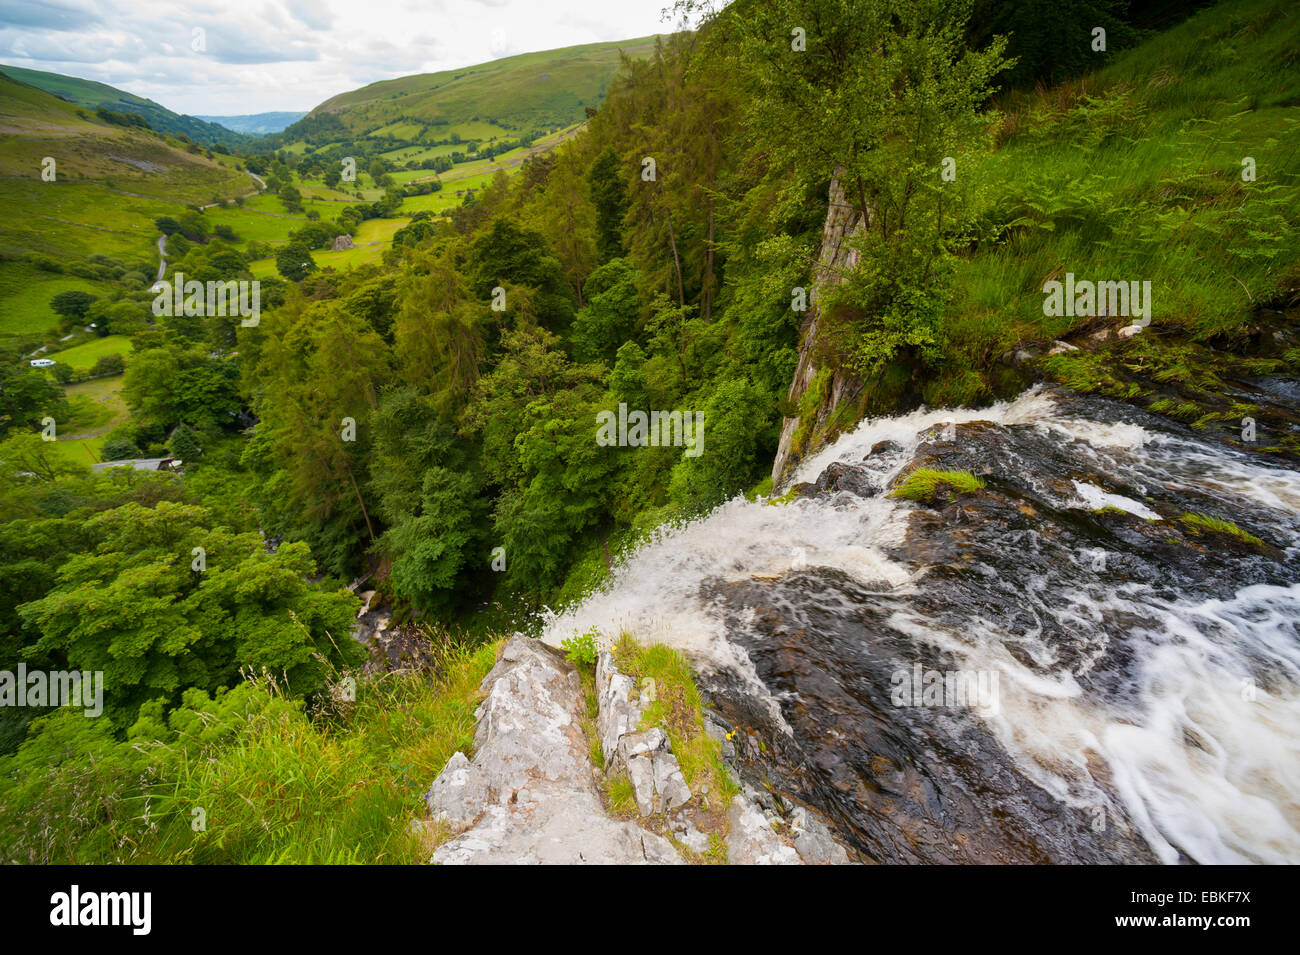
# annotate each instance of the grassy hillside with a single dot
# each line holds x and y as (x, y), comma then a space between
(1135, 172)
(110, 183)
(545, 91)
(94, 95)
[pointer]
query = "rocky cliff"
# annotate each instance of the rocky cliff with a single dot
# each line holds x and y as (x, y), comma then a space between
(834, 259)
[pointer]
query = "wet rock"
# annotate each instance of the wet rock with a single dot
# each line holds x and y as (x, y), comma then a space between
(883, 447)
(1018, 357)
(847, 477)
(720, 732)
(528, 795)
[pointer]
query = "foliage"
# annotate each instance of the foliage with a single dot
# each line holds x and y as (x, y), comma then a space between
(925, 484)
(580, 649)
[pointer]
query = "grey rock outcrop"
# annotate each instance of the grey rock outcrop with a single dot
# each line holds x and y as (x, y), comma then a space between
(644, 755)
(835, 258)
(528, 795)
(751, 839)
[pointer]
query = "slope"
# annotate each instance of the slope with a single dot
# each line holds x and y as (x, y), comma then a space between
(532, 91)
(99, 95)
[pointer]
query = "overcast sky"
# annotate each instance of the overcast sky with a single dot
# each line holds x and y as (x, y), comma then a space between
(263, 55)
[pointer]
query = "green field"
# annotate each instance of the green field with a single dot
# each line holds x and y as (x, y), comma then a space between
(25, 294)
(372, 237)
(97, 408)
(82, 357)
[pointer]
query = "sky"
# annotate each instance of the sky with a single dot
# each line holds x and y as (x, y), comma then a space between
(232, 57)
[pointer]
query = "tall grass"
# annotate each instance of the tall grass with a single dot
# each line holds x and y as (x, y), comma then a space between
(1135, 173)
(250, 777)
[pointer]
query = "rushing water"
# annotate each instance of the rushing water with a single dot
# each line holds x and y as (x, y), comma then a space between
(1147, 677)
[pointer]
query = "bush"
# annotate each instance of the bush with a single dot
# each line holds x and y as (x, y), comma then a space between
(581, 648)
(108, 365)
(118, 448)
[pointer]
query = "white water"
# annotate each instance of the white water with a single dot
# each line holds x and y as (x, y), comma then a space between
(1194, 761)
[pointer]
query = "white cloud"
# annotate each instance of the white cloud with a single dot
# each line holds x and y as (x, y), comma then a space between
(265, 55)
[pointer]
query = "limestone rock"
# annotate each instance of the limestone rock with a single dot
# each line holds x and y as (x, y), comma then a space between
(342, 242)
(645, 755)
(459, 794)
(752, 841)
(528, 795)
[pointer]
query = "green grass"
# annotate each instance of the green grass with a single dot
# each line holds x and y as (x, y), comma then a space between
(675, 706)
(275, 784)
(1200, 524)
(83, 357)
(923, 484)
(25, 294)
(1134, 173)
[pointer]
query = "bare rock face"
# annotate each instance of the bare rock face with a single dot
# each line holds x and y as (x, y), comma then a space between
(342, 242)
(528, 796)
(751, 839)
(645, 756)
(835, 258)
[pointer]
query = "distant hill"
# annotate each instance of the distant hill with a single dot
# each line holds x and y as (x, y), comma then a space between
(255, 124)
(525, 93)
(95, 95)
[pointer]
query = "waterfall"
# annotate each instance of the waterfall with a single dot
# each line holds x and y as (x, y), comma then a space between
(1148, 672)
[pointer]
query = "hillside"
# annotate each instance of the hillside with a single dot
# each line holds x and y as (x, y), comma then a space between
(110, 183)
(99, 95)
(532, 91)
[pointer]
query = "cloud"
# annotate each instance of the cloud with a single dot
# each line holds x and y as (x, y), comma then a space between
(262, 55)
(56, 15)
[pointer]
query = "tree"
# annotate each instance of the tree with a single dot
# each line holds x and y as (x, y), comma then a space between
(72, 305)
(133, 605)
(882, 93)
(108, 365)
(733, 425)
(610, 316)
(118, 448)
(184, 444)
(609, 197)
(294, 261)
(26, 396)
